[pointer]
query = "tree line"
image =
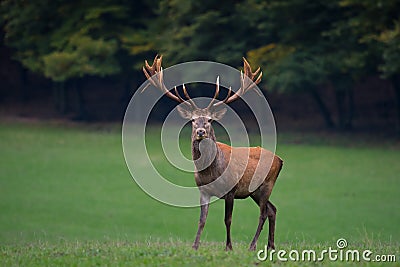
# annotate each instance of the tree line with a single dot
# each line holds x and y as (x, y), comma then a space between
(301, 45)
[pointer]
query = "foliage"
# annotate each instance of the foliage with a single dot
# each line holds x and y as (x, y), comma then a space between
(376, 23)
(310, 41)
(203, 30)
(208, 30)
(288, 69)
(66, 40)
(391, 53)
(344, 36)
(87, 57)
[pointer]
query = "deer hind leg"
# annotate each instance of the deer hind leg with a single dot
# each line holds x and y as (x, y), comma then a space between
(271, 213)
(267, 209)
(204, 202)
(262, 203)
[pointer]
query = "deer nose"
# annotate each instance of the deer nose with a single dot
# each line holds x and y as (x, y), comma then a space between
(201, 132)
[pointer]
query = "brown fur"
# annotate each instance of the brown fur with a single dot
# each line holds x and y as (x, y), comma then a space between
(253, 161)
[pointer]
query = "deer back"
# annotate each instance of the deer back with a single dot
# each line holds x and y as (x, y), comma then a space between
(254, 161)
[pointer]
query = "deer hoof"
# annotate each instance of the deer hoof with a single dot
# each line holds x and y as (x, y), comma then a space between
(228, 248)
(252, 248)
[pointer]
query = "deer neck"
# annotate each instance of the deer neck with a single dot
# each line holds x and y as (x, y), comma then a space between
(207, 156)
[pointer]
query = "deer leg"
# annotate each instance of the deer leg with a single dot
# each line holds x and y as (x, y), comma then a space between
(271, 213)
(263, 216)
(204, 202)
(229, 198)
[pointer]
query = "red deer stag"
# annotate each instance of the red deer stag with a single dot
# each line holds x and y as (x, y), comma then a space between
(224, 161)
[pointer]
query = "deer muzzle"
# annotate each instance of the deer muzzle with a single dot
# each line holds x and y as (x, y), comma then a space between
(201, 133)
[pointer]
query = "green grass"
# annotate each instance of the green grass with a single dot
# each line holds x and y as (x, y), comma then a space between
(155, 253)
(66, 197)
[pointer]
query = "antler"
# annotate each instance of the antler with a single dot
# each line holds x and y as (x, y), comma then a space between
(248, 80)
(215, 95)
(154, 74)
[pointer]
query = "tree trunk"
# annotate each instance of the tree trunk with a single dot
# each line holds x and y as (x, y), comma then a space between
(345, 107)
(125, 96)
(24, 85)
(340, 106)
(350, 109)
(344, 101)
(322, 108)
(396, 87)
(82, 113)
(60, 97)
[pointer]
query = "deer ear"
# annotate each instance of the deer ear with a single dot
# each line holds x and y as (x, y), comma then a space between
(217, 115)
(186, 114)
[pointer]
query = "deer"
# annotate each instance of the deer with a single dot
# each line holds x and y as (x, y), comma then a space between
(216, 164)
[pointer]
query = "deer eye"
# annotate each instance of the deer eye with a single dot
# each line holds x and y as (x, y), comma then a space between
(209, 120)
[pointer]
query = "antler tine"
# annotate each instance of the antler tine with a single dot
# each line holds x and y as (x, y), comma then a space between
(191, 102)
(251, 75)
(215, 95)
(225, 99)
(151, 70)
(247, 81)
(188, 97)
(158, 81)
(178, 95)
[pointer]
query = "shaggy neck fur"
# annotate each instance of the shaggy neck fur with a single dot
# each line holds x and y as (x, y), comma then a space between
(217, 165)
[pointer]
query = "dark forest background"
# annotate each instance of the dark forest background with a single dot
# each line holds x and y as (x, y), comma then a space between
(326, 64)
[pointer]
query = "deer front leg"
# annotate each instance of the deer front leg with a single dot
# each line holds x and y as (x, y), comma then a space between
(204, 202)
(229, 198)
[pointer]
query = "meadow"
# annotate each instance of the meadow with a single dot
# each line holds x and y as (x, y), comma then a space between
(67, 198)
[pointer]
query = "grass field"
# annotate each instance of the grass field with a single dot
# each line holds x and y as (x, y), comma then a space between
(67, 198)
